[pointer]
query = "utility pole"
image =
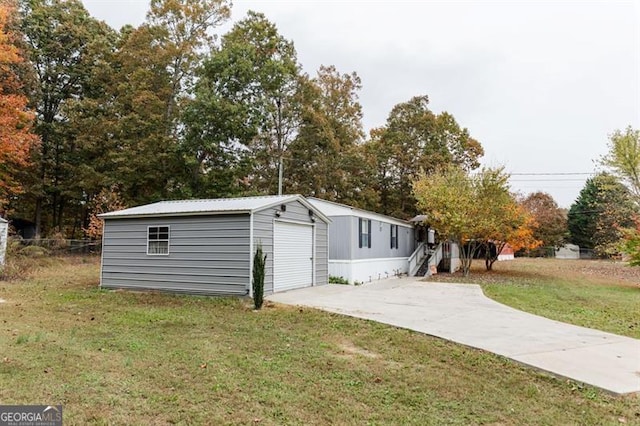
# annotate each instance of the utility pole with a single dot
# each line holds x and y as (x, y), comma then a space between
(280, 174)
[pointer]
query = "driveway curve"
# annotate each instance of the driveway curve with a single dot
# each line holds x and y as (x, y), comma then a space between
(463, 314)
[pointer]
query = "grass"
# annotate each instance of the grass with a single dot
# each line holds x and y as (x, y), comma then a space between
(591, 293)
(149, 358)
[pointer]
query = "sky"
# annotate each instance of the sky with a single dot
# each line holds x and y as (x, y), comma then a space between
(541, 84)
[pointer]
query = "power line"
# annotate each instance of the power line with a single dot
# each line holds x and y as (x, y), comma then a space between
(553, 174)
(547, 180)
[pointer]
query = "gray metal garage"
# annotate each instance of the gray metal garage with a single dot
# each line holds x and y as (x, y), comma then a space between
(207, 246)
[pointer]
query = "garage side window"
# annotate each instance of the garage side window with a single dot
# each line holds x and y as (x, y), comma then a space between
(364, 227)
(158, 240)
(394, 236)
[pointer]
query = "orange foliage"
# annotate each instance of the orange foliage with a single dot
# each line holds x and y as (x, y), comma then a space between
(106, 201)
(522, 237)
(16, 139)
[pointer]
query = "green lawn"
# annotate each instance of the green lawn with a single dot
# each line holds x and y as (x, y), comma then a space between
(591, 293)
(145, 358)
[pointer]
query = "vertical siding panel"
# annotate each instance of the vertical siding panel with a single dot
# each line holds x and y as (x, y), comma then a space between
(322, 253)
(263, 234)
(339, 242)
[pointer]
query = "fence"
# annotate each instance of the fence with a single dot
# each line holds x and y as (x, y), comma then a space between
(61, 246)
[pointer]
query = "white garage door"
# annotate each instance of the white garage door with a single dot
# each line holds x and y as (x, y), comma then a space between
(292, 256)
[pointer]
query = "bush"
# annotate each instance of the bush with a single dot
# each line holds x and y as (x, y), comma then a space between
(631, 244)
(21, 260)
(259, 260)
(338, 280)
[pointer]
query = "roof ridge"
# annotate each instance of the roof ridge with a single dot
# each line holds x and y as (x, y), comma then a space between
(358, 209)
(253, 197)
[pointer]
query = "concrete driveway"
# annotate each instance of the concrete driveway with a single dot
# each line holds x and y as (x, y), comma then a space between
(463, 314)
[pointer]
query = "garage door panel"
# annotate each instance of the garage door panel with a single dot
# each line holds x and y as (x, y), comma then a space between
(292, 256)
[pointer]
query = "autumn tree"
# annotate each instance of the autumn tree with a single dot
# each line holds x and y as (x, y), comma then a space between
(471, 210)
(322, 158)
(503, 220)
(63, 45)
(551, 221)
(137, 137)
(415, 139)
(184, 33)
(16, 137)
(107, 200)
(596, 219)
(252, 85)
(631, 242)
(623, 159)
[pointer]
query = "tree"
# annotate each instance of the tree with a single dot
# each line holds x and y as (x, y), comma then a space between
(322, 156)
(184, 35)
(134, 135)
(106, 201)
(449, 200)
(16, 138)
(63, 46)
(623, 159)
(470, 209)
(252, 81)
(551, 220)
(129, 131)
(503, 221)
(259, 261)
(414, 139)
(631, 242)
(602, 209)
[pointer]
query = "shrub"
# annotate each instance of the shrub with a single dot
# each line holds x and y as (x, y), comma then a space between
(21, 260)
(338, 280)
(259, 260)
(631, 243)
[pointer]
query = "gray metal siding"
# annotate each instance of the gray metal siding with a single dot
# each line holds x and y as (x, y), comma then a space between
(322, 253)
(381, 241)
(207, 255)
(341, 240)
(263, 223)
(263, 234)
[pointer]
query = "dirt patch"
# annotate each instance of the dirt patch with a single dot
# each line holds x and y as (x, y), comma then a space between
(348, 349)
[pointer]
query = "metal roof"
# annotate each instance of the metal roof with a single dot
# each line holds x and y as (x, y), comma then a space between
(213, 206)
(331, 208)
(421, 218)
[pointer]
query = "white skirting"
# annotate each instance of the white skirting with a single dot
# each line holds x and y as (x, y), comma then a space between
(367, 270)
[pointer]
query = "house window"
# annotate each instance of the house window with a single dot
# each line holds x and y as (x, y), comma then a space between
(364, 227)
(394, 236)
(158, 240)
